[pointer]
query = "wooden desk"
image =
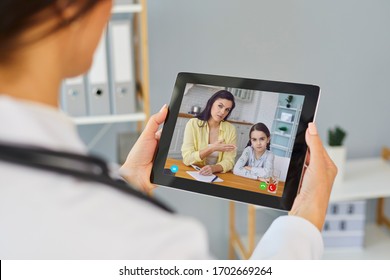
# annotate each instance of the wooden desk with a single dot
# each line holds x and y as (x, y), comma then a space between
(229, 179)
(367, 178)
(364, 179)
(381, 218)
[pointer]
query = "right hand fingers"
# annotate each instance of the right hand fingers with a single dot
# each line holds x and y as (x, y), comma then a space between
(224, 147)
(158, 134)
(312, 200)
(229, 147)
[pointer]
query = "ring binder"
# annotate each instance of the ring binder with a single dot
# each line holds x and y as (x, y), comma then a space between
(73, 98)
(98, 94)
(121, 66)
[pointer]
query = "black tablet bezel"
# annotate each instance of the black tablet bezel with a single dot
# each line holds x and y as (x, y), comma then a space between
(311, 95)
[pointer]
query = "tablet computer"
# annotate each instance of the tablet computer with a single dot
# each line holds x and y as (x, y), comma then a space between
(236, 138)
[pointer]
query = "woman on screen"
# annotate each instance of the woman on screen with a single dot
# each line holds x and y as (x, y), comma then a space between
(209, 139)
(256, 161)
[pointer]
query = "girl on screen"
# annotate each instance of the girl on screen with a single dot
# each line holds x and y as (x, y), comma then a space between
(209, 139)
(256, 161)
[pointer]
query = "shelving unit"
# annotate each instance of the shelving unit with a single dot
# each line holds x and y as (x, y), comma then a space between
(109, 119)
(141, 67)
(376, 246)
(344, 225)
(132, 18)
(127, 8)
(282, 134)
(364, 179)
(282, 143)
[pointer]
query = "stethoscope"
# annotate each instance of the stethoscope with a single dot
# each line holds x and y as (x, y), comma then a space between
(87, 168)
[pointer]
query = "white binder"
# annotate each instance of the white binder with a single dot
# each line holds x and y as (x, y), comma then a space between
(98, 93)
(121, 62)
(73, 99)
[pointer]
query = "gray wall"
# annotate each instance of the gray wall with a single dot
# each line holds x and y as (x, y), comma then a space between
(342, 46)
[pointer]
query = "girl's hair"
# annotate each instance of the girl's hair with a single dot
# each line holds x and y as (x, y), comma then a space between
(17, 16)
(222, 94)
(259, 127)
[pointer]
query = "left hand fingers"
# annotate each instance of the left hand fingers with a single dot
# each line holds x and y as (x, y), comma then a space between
(154, 122)
(206, 170)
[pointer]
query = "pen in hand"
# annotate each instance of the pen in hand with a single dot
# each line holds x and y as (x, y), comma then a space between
(197, 168)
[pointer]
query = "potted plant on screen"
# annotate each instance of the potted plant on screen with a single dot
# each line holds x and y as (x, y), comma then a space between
(283, 129)
(337, 151)
(289, 99)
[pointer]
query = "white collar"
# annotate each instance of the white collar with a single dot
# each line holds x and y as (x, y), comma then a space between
(26, 122)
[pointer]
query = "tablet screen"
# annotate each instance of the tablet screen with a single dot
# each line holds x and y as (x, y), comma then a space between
(236, 138)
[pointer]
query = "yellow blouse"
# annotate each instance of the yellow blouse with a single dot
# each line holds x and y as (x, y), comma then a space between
(196, 138)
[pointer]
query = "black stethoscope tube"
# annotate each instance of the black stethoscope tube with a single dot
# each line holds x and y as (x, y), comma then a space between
(88, 168)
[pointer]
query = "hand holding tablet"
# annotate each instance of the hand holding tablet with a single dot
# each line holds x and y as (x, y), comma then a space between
(226, 136)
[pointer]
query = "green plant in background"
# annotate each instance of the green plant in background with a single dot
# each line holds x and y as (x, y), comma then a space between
(336, 136)
(289, 99)
(283, 128)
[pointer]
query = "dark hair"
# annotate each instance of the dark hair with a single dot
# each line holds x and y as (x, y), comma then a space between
(19, 15)
(222, 94)
(259, 127)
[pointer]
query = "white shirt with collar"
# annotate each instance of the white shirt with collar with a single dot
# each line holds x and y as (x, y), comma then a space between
(45, 215)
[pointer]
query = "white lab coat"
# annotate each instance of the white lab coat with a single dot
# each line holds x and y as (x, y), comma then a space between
(44, 215)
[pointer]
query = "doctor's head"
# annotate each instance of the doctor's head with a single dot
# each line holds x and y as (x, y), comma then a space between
(218, 107)
(69, 29)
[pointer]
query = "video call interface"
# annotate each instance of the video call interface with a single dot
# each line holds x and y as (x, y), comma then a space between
(234, 137)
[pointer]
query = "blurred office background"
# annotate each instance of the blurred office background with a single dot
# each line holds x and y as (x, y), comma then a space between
(342, 46)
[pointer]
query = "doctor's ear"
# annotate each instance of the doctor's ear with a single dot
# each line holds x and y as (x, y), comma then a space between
(69, 11)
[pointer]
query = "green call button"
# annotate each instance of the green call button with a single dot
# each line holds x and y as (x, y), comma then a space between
(263, 186)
